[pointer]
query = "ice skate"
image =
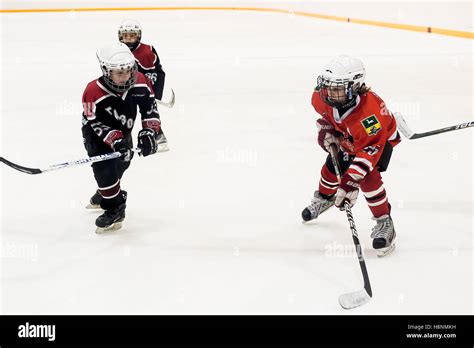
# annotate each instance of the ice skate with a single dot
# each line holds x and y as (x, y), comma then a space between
(110, 220)
(318, 205)
(94, 202)
(384, 235)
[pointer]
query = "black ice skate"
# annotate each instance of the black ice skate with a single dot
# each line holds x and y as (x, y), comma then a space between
(162, 142)
(318, 205)
(110, 220)
(94, 202)
(384, 235)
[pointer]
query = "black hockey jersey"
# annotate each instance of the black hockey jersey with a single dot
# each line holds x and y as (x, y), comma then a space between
(109, 116)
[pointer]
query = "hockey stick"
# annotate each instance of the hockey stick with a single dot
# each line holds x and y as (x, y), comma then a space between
(408, 133)
(99, 158)
(360, 297)
(169, 104)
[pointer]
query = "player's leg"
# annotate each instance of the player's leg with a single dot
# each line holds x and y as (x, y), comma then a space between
(94, 148)
(383, 233)
(113, 200)
(323, 198)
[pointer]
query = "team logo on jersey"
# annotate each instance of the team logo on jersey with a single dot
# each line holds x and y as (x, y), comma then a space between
(371, 125)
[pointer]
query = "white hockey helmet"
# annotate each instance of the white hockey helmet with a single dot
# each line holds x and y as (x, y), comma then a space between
(130, 26)
(117, 56)
(344, 75)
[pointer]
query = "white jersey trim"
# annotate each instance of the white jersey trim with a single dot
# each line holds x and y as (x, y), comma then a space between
(328, 187)
(371, 194)
(358, 169)
(328, 182)
(363, 160)
(377, 203)
(109, 187)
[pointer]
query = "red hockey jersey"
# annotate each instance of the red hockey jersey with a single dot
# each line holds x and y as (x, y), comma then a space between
(366, 128)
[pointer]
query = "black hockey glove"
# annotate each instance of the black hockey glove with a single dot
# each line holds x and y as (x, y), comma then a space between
(122, 146)
(147, 142)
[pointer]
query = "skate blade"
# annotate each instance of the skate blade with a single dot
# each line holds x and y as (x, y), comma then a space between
(114, 227)
(93, 206)
(385, 251)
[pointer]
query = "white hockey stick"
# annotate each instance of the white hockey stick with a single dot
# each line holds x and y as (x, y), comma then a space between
(360, 297)
(169, 104)
(99, 158)
(408, 133)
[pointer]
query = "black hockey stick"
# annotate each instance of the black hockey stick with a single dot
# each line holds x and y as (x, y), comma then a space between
(408, 133)
(68, 164)
(360, 297)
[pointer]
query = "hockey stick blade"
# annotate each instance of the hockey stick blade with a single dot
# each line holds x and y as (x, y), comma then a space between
(354, 299)
(402, 126)
(408, 133)
(21, 168)
(169, 104)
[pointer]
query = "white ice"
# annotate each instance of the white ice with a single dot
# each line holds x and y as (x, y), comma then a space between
(213, 226)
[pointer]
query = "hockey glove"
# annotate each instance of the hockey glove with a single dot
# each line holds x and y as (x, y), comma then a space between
(348, 191)
(124, 148)
(327, 134)
(147, 142)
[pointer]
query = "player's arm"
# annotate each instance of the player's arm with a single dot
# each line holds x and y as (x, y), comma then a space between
(369, 149)
(151, 124)
(93, 116)
(160, 77)
(327, 134)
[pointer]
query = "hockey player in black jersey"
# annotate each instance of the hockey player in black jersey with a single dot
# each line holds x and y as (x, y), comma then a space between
(148, 62)
(110, 108)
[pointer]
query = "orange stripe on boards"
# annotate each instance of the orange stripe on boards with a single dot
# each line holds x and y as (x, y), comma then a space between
(416, 28)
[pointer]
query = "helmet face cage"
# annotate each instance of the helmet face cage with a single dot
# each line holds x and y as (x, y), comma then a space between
(107, 73)
(125, 30)
(337, 93)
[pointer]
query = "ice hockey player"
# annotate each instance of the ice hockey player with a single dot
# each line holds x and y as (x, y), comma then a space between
(357, 121)
(148, 61)
(110, 108)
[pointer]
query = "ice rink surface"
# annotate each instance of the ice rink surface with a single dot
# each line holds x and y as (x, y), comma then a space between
(213, 226)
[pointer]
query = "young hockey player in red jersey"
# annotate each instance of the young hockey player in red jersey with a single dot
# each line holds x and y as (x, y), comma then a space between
(110, 108)
(130, 33)
(356, 120)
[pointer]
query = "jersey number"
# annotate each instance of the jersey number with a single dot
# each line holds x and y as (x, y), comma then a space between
(152, 77)
(122, 118)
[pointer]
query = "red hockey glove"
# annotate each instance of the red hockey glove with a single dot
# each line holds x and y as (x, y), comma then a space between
(348, 191)
(327, 134)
